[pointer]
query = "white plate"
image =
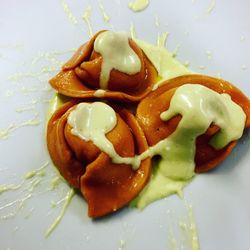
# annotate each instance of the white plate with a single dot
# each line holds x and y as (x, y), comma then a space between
(212, 35)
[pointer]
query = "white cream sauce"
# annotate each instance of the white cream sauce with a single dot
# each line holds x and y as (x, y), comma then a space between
(138, 5)
(99, 93)
(91, 121)
(117, 54)
(166, 66)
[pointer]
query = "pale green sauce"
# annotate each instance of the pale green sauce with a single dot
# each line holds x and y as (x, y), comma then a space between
(105, 16)
(5, 188)
(30, 181)
(117, 54)
(189, 228)
(55, 182)
(188, 231)
(56, 102)
(162, 39)
(132, 31)
(138, 5)
(29, 175)
(122, 245)
(5, 133)
(86, 17)
(211, 7)
(33, 173)
(158, 187)
(157, 22)
(68, 198)
(69, 13)
(166, 66)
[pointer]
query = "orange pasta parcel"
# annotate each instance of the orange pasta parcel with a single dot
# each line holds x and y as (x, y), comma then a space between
(106, 186)
(158, 101)
(80, 77)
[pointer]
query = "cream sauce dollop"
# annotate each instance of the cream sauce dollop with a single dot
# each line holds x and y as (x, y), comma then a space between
(138, 5)
(164, 62)
(117, 54)
(91, 121)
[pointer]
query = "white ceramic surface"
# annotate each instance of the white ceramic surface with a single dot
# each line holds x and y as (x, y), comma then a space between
(34, 38)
